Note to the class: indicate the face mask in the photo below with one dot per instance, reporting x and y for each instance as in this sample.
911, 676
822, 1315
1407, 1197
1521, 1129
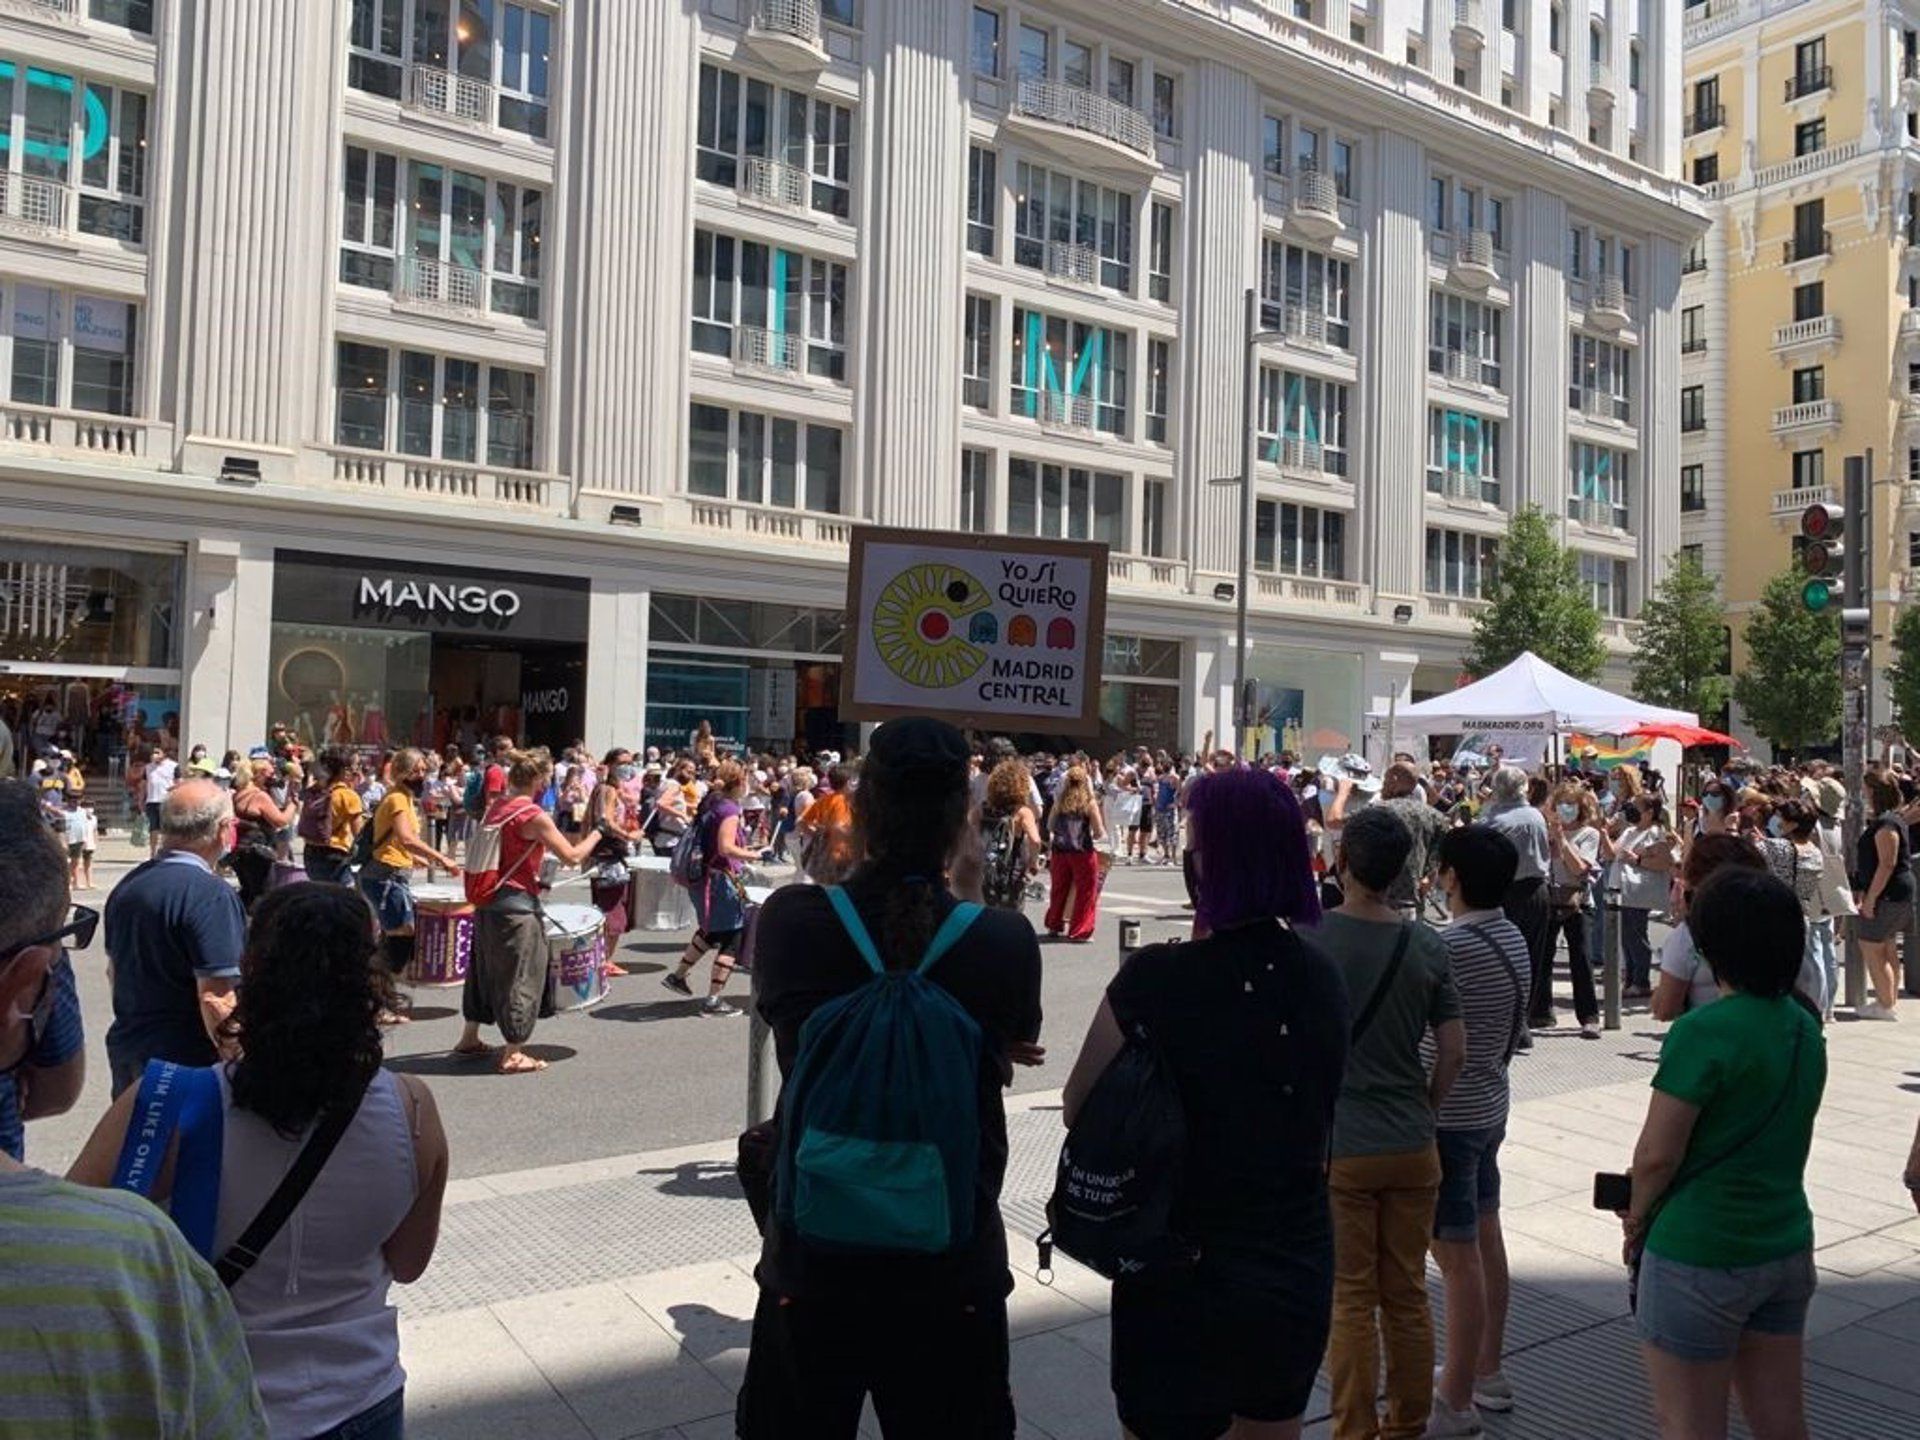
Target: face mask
1715, 804
417, 784
1568, 813
1773, 825
623, 773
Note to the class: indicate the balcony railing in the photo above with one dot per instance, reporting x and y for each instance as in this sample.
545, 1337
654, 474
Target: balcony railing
1473, 250
1314, 193
429, 87
1693, 264
426, 281
1072, 413
1305, 456
1800, 166
44, 9
1703, 118
1608, 409
413, 476
87, 433
1464, 368
1609, 295
794, 19
1469, 29
1147, 572
1309, 590
1305, 323
1600, 76
1694, 345
1799, 497
28, 202
1807, 415
1810, 81
1079, 264
804, 527
1457, 484
1591, 513
778, 351
1815, 330
1088, 111
1453, 607
774, 182
1806, 247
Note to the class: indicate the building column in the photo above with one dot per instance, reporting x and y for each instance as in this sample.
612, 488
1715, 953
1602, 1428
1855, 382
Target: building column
1540, 349
911, 275
1658, 521
1222, 259
226, 631
618, 612
1663, 75
262, 80
621, 343
1393, 379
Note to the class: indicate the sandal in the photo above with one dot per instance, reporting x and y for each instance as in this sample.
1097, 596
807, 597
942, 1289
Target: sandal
611, 969
519, 1064
472, 1052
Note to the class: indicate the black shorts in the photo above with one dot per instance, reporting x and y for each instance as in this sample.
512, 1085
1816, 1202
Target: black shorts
1191, 1353
935, 1371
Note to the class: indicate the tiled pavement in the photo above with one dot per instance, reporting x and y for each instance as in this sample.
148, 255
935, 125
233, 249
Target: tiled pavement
613, 1299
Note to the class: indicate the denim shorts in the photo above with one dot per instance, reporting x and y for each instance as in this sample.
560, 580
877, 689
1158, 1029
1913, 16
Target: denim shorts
1697, 1312
1469, 1181
390, 895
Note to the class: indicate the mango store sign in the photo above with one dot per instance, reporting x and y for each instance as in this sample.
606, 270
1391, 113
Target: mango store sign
995, 632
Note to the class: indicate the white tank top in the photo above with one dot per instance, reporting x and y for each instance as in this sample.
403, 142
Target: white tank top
324, 1341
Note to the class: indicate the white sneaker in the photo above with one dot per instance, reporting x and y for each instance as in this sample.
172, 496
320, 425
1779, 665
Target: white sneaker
1492, 1392
1874, 1010
1446, 1422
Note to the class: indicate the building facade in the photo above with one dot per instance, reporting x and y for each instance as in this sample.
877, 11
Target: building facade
1800, 336
414, 369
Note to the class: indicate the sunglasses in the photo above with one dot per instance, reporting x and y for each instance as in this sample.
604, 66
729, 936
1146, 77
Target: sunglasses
76, 934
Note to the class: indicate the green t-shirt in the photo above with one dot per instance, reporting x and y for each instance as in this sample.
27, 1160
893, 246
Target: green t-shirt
1383, 1107
1732, 1059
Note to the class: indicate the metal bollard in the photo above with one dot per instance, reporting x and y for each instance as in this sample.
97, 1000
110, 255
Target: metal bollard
1855, 979
1910, 945
760, 1066
1610, 960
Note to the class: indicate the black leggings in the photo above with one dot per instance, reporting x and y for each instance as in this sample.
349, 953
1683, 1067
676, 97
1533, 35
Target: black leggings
1573, 925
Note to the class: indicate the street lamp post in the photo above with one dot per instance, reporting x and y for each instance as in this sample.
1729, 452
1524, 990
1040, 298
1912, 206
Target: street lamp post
1249, 457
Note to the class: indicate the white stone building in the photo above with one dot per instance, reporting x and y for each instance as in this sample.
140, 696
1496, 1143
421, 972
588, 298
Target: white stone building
602, 321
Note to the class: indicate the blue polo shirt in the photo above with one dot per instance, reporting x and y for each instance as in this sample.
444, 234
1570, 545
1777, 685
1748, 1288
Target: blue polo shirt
60, 1043
170, 924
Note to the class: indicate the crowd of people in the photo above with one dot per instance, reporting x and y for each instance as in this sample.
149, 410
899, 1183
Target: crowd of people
1370, 954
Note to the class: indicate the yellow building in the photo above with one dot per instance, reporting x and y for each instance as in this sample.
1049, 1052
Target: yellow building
1798, 346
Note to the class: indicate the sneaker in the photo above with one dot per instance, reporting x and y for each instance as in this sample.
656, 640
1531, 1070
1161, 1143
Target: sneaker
1543, 1022
1446, 1421
1874, 1010
1521, 1047
676, 983
714, 1006
1492, 1392
1590, 1030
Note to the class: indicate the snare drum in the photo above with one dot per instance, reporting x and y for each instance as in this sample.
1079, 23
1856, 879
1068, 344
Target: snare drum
443, 935
657, 902
576, 956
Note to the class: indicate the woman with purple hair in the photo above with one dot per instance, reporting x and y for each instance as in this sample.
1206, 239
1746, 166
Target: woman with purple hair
1252, 1020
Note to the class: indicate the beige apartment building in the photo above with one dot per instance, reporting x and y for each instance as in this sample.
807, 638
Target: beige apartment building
1799, 332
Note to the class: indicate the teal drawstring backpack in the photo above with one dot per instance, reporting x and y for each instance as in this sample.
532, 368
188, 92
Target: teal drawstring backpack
880, 1118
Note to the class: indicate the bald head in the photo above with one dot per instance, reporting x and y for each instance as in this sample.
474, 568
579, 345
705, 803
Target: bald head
1400, 779
192, 815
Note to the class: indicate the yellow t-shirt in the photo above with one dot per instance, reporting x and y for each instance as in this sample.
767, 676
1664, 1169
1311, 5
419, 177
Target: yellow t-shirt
343, 808
387, 849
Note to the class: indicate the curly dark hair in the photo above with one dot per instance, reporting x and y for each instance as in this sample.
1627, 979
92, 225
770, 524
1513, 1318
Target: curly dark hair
310, 997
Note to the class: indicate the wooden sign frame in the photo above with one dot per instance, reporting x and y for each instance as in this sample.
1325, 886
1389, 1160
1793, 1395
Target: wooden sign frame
1094, 552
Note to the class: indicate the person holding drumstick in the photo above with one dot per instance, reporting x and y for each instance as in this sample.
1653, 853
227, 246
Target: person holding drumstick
612, 810
506, 982
387, 879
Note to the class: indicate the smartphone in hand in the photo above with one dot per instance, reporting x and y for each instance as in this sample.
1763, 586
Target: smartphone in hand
1612, 1193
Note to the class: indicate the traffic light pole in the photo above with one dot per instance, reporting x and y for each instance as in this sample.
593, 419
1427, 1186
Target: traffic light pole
1856, 671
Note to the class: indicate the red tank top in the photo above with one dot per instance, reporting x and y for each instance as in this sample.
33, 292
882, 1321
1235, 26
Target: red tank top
518, 870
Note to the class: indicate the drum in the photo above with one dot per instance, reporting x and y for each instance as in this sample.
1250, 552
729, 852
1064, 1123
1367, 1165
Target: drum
577, 956
443, 935
286, 873
657, 903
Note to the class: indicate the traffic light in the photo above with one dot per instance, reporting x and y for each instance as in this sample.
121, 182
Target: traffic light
1856, 628
1823, 556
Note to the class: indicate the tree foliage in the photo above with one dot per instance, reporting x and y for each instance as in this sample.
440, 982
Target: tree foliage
1904, 674
1683, 644
1790, 685
1536, 602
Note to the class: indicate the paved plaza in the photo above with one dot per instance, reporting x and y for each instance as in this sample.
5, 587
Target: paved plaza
602, 1289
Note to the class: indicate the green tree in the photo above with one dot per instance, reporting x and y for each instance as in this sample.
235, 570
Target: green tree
1537, 602
1904, 673
1683, 643
1790, 686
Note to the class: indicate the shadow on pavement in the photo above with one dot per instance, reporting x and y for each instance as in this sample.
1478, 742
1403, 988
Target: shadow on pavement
634, 1013
700, 1180
445, 1062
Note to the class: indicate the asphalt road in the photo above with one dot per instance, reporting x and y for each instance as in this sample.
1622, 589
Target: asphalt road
641, 1071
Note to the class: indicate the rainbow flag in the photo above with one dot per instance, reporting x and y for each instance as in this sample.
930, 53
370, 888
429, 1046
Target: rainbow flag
1604, 754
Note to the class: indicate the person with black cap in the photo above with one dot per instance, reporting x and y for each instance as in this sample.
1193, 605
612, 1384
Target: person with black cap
924, 1335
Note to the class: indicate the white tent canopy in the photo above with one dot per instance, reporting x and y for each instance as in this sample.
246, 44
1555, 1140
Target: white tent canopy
1528, 695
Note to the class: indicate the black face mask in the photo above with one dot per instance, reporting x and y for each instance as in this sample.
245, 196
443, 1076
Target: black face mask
417, 784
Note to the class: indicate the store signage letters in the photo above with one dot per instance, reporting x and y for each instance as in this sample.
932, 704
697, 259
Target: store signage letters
435, 599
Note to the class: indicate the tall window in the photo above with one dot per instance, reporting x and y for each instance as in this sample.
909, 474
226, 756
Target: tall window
1600, 379
67, 350
1303, 422
59, 134
1460, 563
444, 407
1153, 517
1166, 114
1065, 502
467, 44
1707, 114
1809, 229
983, 199
1809, 469
976, 491
986, 41
793, 306
1160, 252
1810, 136
1273, 144
1605, 580
1706, 169
1455, 207
135, 15
1693, 330
976, 361
1693, 489
1070, 227
1306, 293
1809, 384
1464, 338
1463, 455
1693, 408
741, 119
1159, 388
1070, 371
1599, 479
762, 459
1810, 300
1810, 69
1290, 539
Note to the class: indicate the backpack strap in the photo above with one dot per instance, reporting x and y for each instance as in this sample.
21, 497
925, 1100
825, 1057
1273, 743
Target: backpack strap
184, 1101
856, 929
959, 920
957, 923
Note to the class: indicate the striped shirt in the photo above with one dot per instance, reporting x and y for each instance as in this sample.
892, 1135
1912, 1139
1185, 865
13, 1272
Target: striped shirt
111, 1325
1488, 958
